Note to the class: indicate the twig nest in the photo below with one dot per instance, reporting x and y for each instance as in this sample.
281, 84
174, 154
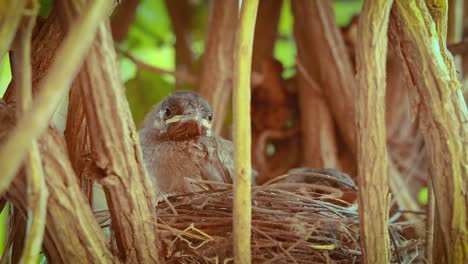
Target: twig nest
292, 222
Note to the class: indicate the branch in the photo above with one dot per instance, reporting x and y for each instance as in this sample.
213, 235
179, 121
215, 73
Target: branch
216, 73
180, 13
36, 188
266, 32
10, 17
117, 157
242, 181
443, 122
123, 18
52, 89
183, 76
332, 67
374, 196
318, 131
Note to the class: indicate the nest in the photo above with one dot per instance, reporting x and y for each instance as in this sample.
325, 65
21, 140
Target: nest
292, 222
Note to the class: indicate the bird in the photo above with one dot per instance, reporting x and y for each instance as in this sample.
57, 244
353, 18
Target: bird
177, 144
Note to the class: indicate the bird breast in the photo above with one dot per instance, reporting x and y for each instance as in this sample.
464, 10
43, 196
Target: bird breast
171, 162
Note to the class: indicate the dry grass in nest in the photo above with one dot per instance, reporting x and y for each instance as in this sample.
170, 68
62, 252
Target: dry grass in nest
291, 223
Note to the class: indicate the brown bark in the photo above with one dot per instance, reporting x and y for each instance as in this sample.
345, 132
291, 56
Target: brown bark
328, 52
319, 147
400, 129
66, 239
77, 137
216, 77
266, 30
443, 120
181, 19
123, 18
17, 233
374, 196
45, 41
115, 149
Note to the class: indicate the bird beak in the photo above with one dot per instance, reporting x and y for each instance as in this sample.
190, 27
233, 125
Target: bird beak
184, 118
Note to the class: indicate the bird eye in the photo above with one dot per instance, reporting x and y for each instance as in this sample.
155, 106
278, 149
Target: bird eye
210, 117
167, 112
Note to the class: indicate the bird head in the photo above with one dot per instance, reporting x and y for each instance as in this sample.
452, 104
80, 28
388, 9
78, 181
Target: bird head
180, 116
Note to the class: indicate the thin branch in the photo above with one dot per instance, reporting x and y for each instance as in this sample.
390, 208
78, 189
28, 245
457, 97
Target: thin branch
242, 182
183, 76
36, 188
10, 17
428, 254
52, 88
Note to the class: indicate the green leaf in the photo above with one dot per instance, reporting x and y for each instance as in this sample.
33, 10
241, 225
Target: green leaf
423, 196
345, 10
5, 75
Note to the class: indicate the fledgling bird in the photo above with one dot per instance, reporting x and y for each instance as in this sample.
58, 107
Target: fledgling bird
176, 142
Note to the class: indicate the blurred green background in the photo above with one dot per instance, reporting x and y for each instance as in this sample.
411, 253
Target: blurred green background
151, 39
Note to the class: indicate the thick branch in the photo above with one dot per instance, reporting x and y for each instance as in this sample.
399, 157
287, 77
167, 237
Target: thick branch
319, 148
327, 49
116, 152
374, 197
123, 18
266, 30
72, 234
444, 123
181, 21
217, 75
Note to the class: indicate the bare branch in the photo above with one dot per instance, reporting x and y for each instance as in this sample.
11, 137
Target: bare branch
242, 182
183, 76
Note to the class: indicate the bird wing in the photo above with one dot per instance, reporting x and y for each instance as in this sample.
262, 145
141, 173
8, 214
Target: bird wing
226, 158
220, 159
